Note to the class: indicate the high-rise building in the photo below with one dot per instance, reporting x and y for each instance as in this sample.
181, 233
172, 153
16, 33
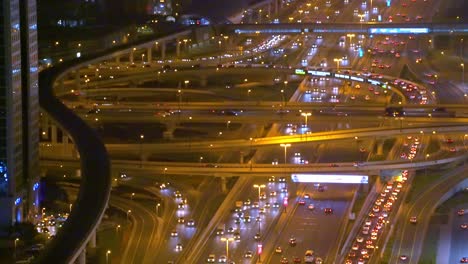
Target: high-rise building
19, 112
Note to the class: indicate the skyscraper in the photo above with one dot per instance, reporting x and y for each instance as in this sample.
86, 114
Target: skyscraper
19, 112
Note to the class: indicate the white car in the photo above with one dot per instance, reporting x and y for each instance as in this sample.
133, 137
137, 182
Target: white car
211, 258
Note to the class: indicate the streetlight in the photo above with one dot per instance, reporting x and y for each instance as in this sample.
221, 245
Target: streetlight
186, 82
200, 159
227, 124
117, 228
305, 115
157, 209
425, 169
179, 94
70, 207
285, 146
350, 36
338, 61
143, 58
16, 242
133, 194
259, 187
107, 256
463, 75
227, 240
282, 98
142, 137
128, 212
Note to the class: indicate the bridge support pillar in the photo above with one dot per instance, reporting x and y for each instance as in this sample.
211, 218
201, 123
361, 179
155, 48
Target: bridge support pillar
117, 59
163, 50
53, 134
131, 58
203, 81
92, 240
82, 257
178, 47
241, 157
78, 173
380, 144
149, 54
224, 184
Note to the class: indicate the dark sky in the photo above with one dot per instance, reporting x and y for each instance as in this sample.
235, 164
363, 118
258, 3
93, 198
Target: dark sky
217, 8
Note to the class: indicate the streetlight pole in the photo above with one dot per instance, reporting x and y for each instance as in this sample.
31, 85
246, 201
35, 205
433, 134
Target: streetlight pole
305, 115
142, 137
186, 82
425, 168
179, 93
107, 256
350, 36
463, 75
128, 212
16, 242
259, 187
338, 61
157, 209
285, 146
227, 240
283, 101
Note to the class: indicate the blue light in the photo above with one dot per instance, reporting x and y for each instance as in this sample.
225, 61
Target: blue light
399, 30
17, 201
36, 186
389, 2
361, 53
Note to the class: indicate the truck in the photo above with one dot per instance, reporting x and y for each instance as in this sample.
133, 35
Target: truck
309, 256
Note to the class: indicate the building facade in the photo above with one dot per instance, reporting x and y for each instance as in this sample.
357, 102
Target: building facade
19, 112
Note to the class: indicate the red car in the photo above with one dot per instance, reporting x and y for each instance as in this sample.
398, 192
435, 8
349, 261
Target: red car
461, 212
297, 260
328, 211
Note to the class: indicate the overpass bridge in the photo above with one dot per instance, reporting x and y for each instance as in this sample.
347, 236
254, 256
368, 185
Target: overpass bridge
366, 28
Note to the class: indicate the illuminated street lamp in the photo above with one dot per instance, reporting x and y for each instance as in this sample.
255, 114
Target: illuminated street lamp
16, 243
142, 137
305, 115
179, 94
285, 146
350, 36
463, 75
157, 209
186, 82
128, 213
227, 240
338, 61
259, 187
107, 256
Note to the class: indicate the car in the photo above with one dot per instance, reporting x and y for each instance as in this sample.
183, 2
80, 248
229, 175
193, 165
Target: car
179, 247
311, 206
361, 261
348, 261
464, 260
352, 254
403, 257
328, 210
180, 220
248, 254
276, 205
296, 260
174, 233
222, 259
211, 258
292, 241
282, 179
461, 212
301, 202
306, 196
359, 239
278, 250
321, 188
464, 226
257, 236
273, 193
284, 260
355, 246
318, 260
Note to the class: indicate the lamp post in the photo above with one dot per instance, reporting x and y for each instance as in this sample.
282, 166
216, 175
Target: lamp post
179, 94
259, 187
157, 209
282, 98
227, 240
463, 75
186, 82
107, 256
142, 137
338, 61
143, 58
16, 242
128, 213
350, 36
285, 146
70, 207
425, 159
131, 197
361, 19
117, 228
305, 115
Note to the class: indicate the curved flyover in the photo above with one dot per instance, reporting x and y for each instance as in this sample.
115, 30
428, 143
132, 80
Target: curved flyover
95, 187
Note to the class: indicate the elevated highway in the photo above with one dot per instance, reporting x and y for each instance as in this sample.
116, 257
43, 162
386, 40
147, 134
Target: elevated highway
346, 28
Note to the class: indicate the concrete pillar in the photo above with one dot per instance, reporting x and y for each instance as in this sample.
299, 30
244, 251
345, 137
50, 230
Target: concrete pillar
78, 173
92, 240
203, 81
82, 257
241, 157
177, 47
224, 184
117, 59
131, 59
380, 144
150, 54
53, 134
163, 50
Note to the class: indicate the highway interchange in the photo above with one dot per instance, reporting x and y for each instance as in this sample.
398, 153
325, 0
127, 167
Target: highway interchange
332, 139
